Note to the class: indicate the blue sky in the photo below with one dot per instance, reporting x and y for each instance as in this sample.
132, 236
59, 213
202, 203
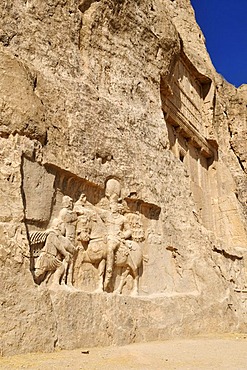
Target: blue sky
224, 25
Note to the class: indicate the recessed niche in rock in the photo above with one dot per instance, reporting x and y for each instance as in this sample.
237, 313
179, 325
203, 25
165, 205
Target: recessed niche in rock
38, 190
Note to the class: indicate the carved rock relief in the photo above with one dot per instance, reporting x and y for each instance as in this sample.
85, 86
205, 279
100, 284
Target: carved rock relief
84, 237
87, 238
73, 228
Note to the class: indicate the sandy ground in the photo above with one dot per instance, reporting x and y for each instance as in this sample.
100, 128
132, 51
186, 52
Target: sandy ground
211, 352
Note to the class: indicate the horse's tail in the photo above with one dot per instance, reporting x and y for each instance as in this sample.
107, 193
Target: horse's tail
145, 258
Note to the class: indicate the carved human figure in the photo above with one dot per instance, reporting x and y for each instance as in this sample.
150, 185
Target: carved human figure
55, 255
113, 190
136, 225
90, 237
68, 217
118, 231
105, 236
84, 221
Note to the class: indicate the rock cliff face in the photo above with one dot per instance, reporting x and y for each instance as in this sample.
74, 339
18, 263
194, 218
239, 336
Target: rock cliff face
115, 107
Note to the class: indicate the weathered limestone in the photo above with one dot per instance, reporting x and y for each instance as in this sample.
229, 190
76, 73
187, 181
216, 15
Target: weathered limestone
21, 109
122, 172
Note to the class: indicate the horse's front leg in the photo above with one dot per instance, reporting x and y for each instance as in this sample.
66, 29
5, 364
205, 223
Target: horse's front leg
135, 289
101, 270
124, 275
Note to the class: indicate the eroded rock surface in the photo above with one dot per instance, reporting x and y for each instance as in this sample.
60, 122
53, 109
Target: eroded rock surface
122, 170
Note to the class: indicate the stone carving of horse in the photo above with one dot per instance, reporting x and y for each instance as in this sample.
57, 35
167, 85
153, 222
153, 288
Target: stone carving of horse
129, 257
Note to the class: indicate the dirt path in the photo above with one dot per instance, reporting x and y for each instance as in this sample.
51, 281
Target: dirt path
211, 352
